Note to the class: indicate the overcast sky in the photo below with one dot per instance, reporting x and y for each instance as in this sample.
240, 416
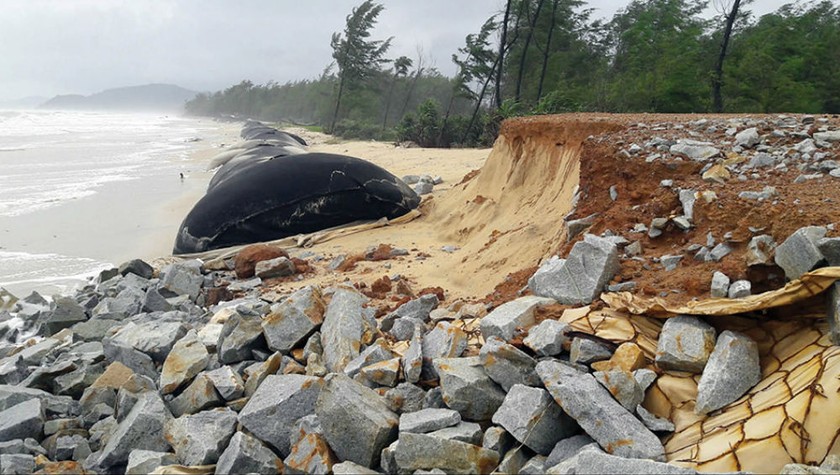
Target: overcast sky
50, 47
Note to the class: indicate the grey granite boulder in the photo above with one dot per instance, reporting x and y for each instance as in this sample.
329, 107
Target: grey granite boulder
385, 373
227, 382
695, 150
406, 397
534, 419
294, 319
597, 462
467, 388
514, 460
799, 253
141, 462
444, 341
830, 249
272, 268
507, 365
246, 454
137, 267
580, 278
622, 385
412, 360
280, 401
567, 448
586, 351
136, 360
356, 421
428, 420
142, 428
424, 452
759, 250
188, 357
503, 321
375, 353
469, 432
155, 338
16, 464
200, 439
201, 394
548, 338
67, 312
22, 420
747, 138
350, 468
497, 439
685, 344
182, 278
733, 368
720, 285
240, 335
343, 327
598, 413
418, 309
740, 289
654, 422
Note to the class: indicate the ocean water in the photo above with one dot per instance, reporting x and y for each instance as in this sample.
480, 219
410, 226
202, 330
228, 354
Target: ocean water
74, 184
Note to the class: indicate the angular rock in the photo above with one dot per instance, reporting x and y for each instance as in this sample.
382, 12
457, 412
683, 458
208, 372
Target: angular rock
310, 455
412, 361
534, 419
514, 460
405, 328
227, 382
720, 285
419, 309
201, 438
685, 344
548, 338
342, 330
141, 462
586, 351
627, 357
22, 420
654, 422
279, 401
623, 386
384, 373
740, 289
17, 464
350, 468
759, 250
188, 358
155, 338
567, 448
747, 138
829, 136
799, 253
66, 314
719, 252
294, 320
428, 420
182, 278
467, 388
468, 432
425, 452
534, 466
240, 335
375, 353
830, 249
137, 267
246, 454
356, 421
670, 262
503, 321
688, 198
602, 417
406, 397
497, 439
580, 278
198, 396
577, 226
733, 368
141, 429
256, 373
693, 149
597, 462
508, 365
444, 341
273, 268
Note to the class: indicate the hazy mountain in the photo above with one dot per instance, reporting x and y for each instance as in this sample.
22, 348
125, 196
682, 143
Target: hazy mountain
150, 97
30, 102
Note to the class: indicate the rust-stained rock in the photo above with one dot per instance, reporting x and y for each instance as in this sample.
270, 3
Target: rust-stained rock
114, 376
188, 357
425, 452
247, 258
294, 320
628, 357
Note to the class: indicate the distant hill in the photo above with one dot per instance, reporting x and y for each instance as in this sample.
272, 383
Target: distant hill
30, 102
151, 97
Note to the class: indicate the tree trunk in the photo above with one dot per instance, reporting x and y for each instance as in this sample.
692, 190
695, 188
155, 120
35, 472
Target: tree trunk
337, 103
500, 60
480, 98
547, 50
410, 92
717, 80
388, 103
525, 47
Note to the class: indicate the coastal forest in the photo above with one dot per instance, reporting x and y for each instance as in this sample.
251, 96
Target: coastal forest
553, 56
